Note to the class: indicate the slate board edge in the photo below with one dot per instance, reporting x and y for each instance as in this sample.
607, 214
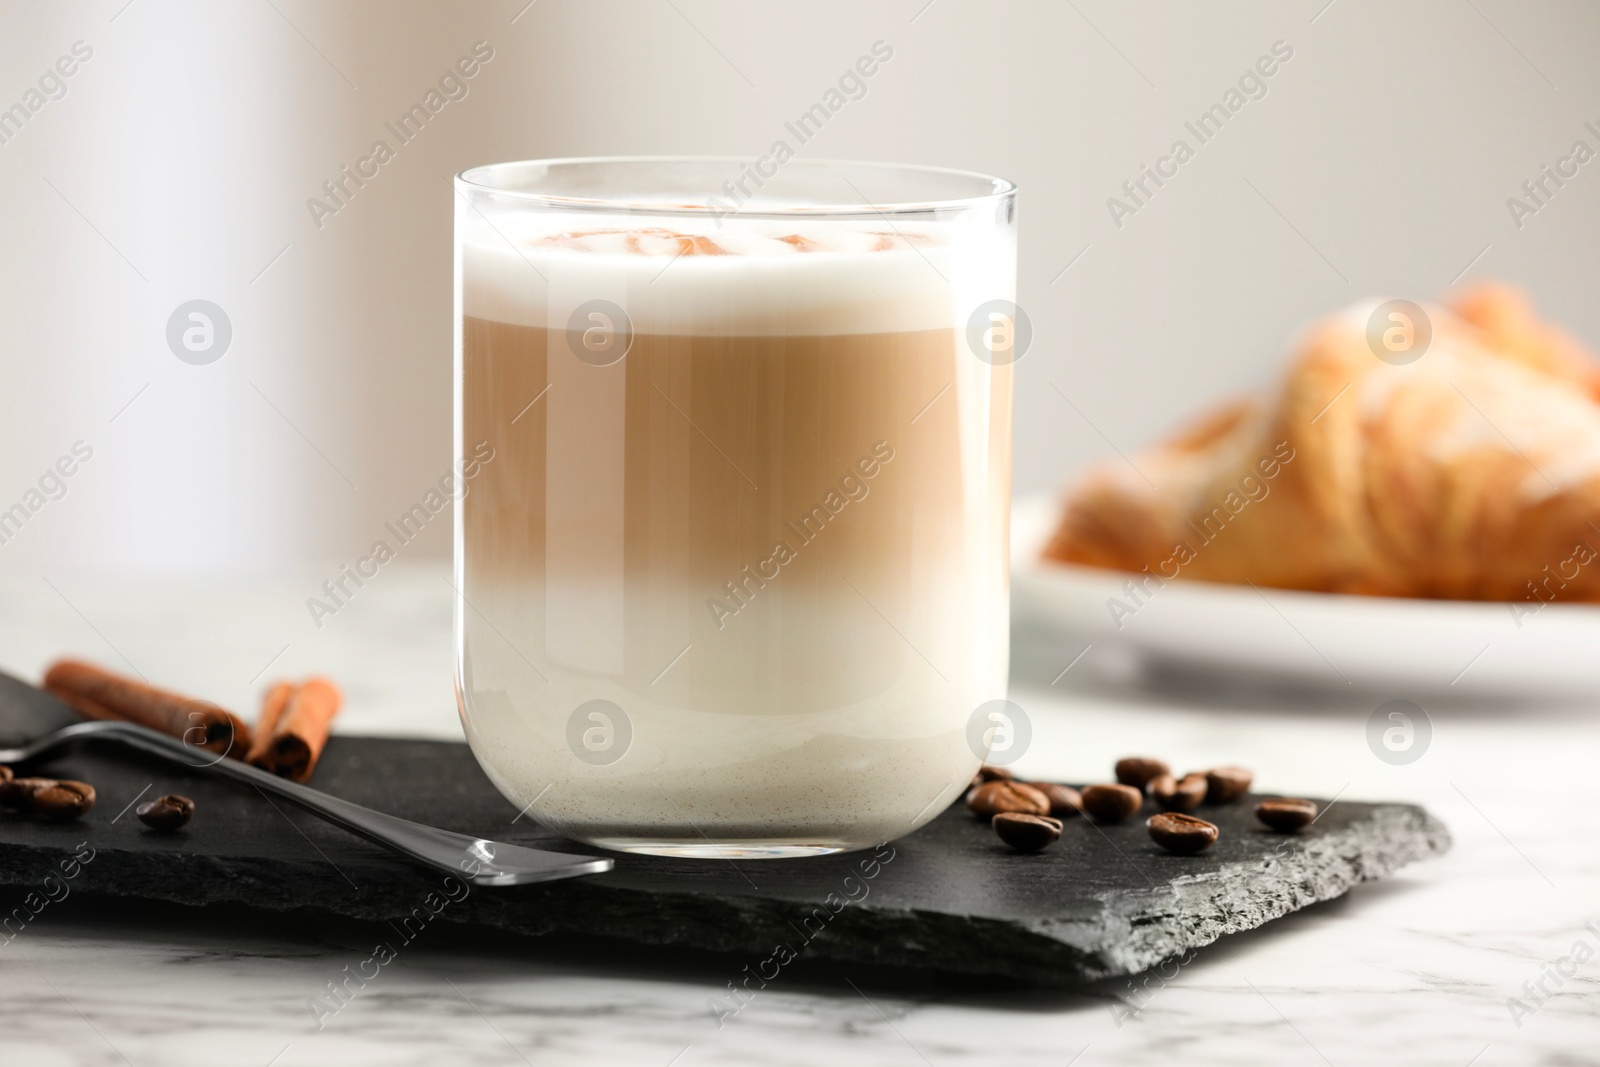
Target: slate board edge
1144, 928
1154, 927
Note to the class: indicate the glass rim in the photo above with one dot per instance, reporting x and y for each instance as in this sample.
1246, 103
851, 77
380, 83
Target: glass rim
474, 179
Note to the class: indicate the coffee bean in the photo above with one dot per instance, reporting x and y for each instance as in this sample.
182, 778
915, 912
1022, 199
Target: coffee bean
1227, 783
18, 793
1027, 833
1178, 794
1181, 834
166, 813
1064, 800
1137, 771
59, 800
992, 798
1287, 814
991, 773
62, 801
1111, 803
5, 773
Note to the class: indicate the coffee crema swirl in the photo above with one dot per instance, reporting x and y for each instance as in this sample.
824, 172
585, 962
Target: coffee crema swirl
659, 241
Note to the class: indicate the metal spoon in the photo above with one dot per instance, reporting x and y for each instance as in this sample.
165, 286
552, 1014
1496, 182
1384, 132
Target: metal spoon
475, 859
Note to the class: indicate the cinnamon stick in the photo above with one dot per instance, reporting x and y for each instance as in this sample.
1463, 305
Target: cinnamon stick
290, 738
273, 706
96, 693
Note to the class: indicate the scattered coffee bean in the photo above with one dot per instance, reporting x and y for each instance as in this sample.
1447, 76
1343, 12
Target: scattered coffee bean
166, 813
62, 801
5, 773
1064, 800
1287, 814
1227, 783
1181, 834
987, 773
1178, 794
992, 798
17, 793
1027, 833
1111, 803
58, 800
1137, 771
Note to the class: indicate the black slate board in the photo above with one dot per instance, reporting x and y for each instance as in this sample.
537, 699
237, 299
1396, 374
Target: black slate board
948, 899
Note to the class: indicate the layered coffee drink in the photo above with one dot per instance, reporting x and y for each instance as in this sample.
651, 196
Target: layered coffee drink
734, 583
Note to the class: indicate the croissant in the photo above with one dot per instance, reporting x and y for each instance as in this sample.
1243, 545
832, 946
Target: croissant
1472, 473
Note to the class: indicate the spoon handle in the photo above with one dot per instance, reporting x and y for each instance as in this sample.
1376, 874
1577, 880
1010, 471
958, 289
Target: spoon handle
474, 859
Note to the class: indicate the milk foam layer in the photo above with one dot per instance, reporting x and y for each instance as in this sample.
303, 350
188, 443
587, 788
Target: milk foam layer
756, 278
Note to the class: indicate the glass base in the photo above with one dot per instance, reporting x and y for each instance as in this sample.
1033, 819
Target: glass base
700, 849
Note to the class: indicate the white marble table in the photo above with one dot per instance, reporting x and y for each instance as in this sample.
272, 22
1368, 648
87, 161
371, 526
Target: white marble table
1418, 969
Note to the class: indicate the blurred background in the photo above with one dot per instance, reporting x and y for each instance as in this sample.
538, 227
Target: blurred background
180, 158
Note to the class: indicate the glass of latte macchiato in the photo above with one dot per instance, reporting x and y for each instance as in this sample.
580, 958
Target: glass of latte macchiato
731, 555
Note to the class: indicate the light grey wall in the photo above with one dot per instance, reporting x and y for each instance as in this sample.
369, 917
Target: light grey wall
179, 162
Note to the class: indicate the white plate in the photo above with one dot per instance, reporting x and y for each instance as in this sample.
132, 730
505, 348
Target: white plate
1312, 638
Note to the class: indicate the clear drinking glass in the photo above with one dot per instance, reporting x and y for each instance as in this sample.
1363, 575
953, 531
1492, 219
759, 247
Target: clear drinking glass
731, 550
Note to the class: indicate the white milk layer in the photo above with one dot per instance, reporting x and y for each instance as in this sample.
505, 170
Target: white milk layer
764, 278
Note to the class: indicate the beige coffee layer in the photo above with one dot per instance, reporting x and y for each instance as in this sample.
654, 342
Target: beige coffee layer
789, 467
